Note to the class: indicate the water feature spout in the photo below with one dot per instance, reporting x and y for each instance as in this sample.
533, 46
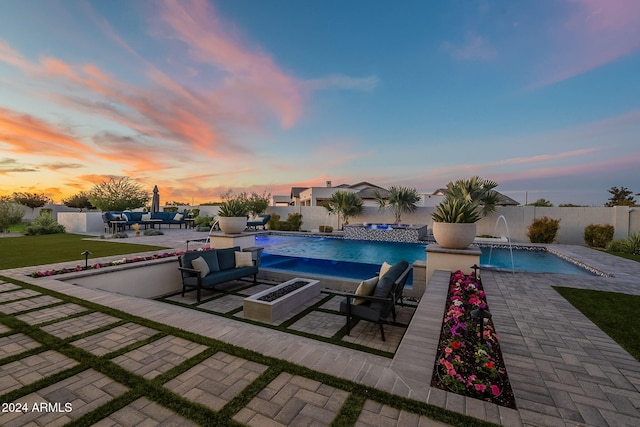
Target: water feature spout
508, 237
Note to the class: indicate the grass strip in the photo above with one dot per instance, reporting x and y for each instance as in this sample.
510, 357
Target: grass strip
153, 390
625, 255
18, 252
615, 313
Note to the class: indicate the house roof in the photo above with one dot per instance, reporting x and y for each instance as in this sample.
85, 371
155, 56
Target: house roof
295, 191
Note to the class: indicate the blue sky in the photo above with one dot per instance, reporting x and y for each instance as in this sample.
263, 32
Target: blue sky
199, 97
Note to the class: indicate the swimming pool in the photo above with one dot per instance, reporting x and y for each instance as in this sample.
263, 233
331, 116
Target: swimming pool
359, 258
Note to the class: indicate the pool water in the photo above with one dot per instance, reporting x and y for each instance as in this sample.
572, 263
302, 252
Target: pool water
362, 258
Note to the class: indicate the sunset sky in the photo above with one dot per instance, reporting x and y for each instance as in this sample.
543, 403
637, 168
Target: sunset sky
199, 97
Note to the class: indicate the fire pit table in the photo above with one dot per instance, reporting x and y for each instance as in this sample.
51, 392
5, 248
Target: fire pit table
271, 304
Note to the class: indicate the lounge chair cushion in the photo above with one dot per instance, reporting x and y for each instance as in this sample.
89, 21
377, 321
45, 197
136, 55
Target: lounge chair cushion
384, 269
366, 287
201, 265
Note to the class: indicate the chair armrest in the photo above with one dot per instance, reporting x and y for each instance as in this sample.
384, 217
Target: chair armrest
189, 270
352, 295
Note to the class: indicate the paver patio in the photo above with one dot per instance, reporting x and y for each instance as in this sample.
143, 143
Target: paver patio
563, 369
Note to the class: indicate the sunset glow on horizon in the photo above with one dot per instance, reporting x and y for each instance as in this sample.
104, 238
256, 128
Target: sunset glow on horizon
199, 97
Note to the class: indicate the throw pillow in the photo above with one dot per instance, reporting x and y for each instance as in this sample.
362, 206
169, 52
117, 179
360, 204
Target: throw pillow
243, 259
146, 217
384, 269
125, 217
201, 265
366, 287
178, 217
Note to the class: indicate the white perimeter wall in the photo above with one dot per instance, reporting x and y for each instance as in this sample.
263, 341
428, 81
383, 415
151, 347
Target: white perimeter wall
572, 220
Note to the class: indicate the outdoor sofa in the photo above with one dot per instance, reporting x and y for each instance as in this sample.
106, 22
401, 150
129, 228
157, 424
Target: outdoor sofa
122, 219
208, 268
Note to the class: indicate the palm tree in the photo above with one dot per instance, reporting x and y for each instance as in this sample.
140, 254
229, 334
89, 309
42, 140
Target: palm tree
400, 199
344, 203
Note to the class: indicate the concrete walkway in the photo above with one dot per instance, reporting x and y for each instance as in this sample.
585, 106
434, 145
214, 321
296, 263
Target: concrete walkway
564, 371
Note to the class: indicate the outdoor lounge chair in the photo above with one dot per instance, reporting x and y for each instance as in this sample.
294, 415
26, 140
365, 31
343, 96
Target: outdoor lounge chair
262, 222
377, 307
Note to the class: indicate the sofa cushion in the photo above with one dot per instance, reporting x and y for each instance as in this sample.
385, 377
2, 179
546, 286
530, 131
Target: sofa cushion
201, 265
227, 258
243, 259
366, 287
211, 257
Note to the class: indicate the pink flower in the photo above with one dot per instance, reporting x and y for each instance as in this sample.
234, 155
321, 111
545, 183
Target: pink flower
480, 387
495, 390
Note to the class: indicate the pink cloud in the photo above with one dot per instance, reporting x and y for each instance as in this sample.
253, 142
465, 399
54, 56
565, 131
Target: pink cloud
595, 33
249, 71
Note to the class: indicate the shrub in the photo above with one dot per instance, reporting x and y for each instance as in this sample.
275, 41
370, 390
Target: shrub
153, 232
10, 214
598, 236
618, 245
204, 221
44, 224
630, 245
119, 235
293, 222
543, 230
634, 243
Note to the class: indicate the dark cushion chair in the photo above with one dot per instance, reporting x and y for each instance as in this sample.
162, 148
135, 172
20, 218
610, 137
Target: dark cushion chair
377, 307
262, 222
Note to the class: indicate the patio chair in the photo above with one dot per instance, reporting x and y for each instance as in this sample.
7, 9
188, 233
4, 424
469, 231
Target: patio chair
262, 222
376, 308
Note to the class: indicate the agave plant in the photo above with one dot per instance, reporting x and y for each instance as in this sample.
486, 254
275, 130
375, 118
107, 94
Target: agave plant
233, 208
455, 211
467, 200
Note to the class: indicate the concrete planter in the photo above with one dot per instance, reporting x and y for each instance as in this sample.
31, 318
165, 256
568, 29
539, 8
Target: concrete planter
454, 235
233, 225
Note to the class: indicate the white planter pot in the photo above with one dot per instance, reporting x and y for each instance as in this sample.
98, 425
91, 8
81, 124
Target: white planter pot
232, 225
454, 235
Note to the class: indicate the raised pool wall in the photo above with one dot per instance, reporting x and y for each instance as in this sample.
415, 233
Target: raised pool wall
404, 233
156, 278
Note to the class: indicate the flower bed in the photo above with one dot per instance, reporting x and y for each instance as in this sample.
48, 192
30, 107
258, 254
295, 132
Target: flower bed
466, 363
108, 264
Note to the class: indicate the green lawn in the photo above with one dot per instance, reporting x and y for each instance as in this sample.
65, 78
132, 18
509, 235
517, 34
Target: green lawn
23, 251
627, 256
616, 314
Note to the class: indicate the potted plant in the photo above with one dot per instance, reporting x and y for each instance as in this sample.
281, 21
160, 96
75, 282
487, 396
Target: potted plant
465, 202
232, 214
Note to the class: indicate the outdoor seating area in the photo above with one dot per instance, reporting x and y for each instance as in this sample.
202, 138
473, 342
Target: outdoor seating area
206, 269
120, 220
